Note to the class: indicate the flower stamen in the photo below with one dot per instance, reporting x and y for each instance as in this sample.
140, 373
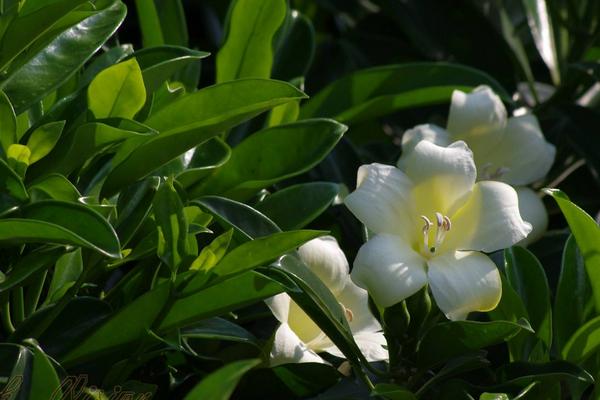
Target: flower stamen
443, 224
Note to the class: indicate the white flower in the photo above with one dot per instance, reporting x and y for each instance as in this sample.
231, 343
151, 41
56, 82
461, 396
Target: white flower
511, 150
298, 338
430, 223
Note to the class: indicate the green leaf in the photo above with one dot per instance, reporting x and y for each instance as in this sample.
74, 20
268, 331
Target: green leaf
8, 122
392, 392
526, 275
88, 140
28, 265
133, 206
450, 339
54, 186
378, 91
248, 48
540, 24
149, 23
201, 302
245, 220
12, 190
45, 70
262, 250
206, 157
572, 294
160, 64
213, 253
44, 381
583, 343
68, 268
521, 373
29, 27
172, 226
317, 301
587, 236
43, 139
219, 329
18, 158
172, 22
308, 200
192, 120
271, 155
61, 222
296, 49
117, 91
132, 322
220, 384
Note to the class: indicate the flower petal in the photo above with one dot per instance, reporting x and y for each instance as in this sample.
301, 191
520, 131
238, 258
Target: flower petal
370, 344
382, 200
523, 151
389, 269
478, 118
488, 221
356, 300
532, 210
464, 281
430, 132
288, 348
279, 306
326, 259
443, 177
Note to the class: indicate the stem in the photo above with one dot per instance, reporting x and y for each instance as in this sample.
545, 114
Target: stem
18, 304
5, 316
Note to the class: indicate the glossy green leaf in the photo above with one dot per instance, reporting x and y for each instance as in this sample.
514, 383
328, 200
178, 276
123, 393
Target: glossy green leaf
43, 139
220, 384
194, 119
526, 275
583, 343
8, 121
53, 186
149, 21
201, 302
219, 329
61, 222
172, 226
213, 253
12, 190
308, 200
129, 324
44, 381
540, 24
572, 294
160, 64
28, 27
451, 339
117, 91
18, 158
296, 49
261, 250
521, 373
87, 141
68, 268
392, 392
248, 48
47, 69
378, 91
132, 322
245, 220
205, 158
271, 155
587, 236
110, 57
317, 301
133, 206
29, 265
